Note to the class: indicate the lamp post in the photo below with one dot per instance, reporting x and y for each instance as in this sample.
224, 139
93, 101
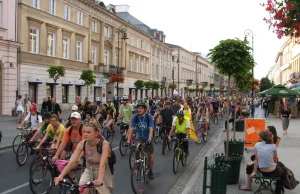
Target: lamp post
248, 33
122, 29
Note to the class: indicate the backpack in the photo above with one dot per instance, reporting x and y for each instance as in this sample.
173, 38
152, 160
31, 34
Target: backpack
80, 130
28, 125
112, 160
289, 180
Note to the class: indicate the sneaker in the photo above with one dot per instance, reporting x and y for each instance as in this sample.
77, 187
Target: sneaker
204, 138
150, 175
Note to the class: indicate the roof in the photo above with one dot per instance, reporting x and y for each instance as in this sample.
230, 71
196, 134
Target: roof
172, 45
136, 22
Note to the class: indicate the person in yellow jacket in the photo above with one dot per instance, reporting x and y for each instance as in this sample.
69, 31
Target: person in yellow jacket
181, 125
188, 113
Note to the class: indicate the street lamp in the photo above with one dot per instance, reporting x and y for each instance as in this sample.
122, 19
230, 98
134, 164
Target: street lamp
250, 33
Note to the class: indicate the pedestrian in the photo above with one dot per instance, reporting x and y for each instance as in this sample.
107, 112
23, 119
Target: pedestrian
55, 109
98, 100
265, 107
19, 108
44, 109
49, 104
26, 105
285, 118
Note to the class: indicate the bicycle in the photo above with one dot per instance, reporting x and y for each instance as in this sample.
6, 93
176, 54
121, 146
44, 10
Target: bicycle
123, 142
165, 141
139, 173
109, 136
215, 118
68, 187
19, 138
200, 131
179, 155
22, 150
156, 132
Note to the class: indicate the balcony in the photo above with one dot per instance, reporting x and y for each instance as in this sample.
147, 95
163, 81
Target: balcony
109, 69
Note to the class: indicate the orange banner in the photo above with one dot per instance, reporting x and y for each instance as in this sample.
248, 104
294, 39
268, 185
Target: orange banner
252, 129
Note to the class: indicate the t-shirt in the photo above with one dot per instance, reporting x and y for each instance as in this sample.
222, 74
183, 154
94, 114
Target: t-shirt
167, 116
286, 113
265, 104
142, 125
74, 138
265, 153
59, 130
126, 110
215, 106
35, 120
44, 127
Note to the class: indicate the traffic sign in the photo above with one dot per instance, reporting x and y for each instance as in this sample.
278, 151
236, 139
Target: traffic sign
104, 81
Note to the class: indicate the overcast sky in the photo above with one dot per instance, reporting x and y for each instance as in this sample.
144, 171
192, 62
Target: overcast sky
198, 25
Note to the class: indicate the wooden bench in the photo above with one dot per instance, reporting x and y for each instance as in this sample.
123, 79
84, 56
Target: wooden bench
265, 183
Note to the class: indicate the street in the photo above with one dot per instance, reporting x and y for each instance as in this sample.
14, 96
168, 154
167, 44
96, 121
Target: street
14, 179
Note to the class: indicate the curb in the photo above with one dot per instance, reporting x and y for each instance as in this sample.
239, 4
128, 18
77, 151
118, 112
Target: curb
5, 147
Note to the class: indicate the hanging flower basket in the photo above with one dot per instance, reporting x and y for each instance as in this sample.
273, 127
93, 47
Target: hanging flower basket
172, 86
117, 78
198, 90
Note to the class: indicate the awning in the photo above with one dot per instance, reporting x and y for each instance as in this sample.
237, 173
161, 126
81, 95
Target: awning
51, 82
34, 79
66, 82
98, 83
79, 83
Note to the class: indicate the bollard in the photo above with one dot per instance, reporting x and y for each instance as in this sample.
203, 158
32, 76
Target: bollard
205, 176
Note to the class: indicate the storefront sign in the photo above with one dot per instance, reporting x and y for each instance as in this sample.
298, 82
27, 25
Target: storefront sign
252, 129
104, 81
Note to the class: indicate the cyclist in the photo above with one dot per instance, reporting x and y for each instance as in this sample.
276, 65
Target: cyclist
89, 118
181, 125
73, 135
215, 107
125, 114
34, 118
97, 151
111, 106
43, 129
67, 123
166, 117
203, 114
54, 128
143, 123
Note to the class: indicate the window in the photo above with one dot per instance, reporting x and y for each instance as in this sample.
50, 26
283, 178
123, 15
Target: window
67, 12
80, 18
35, 4
94, 55
65, 94
51, 45
94, 26
117, 36
79, 50
34, 40
66, 48
142, 65
117, 59
137, 43
106, 31
106, 57
52, 7
137, 65
130, 62
131, 39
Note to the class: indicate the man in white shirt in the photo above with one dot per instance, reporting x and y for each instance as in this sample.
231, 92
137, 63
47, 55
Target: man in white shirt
98, 100
35, 119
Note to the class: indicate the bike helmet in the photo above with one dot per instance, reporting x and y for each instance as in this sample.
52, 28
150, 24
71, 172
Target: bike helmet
124, 98
180, 113
141, 104
202, 103
47, 115
33, 108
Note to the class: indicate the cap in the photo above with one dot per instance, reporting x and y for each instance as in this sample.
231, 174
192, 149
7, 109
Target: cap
76, 115
74, 107
168, 102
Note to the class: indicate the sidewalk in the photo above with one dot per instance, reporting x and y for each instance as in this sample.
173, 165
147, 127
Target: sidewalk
288, 152
8, 127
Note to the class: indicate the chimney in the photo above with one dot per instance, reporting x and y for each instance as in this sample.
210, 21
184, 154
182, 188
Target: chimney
122, 8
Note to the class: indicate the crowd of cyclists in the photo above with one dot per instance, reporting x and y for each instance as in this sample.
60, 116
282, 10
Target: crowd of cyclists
88, 132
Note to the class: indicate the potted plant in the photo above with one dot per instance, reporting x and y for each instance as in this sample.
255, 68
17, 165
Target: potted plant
117, 78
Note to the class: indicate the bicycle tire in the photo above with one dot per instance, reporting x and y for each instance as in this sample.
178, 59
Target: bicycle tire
22, 147
122, 148
156, 135
14, 146
131, 157
164, 145
33, 182
138, 171
183, 159
176, 161
34, 163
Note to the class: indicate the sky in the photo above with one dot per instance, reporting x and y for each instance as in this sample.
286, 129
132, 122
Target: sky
199, 25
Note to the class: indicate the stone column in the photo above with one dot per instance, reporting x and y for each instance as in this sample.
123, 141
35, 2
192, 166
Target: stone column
123, 54
59, 44
43, 39
101, 43
73, 47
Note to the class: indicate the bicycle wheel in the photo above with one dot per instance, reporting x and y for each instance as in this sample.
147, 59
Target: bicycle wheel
170, 144
164, 143
138, 179
132, 157
156, 135
41, 179
183, 159
22, 154
34, 163
122, 146
16, 142
176, 161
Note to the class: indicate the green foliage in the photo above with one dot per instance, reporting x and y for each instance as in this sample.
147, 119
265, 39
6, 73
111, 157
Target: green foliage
191, 90
162, 87
155, 85
139, 84
148, 84
88, 77
243, 81
265, 84
172, 86
56, 72
232, 56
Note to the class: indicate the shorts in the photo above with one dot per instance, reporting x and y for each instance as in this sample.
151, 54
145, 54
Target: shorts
149, 149
88, 175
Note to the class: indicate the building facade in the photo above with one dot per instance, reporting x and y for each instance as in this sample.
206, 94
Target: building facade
8, 56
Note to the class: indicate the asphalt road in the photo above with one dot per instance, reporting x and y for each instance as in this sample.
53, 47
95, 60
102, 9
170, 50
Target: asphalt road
14, 179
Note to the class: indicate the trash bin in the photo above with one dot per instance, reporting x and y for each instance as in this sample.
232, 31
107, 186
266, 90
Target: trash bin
240, 125
235, 165
218, 178
235, 147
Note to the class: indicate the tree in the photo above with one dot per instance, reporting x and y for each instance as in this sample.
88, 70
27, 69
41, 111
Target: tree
265, 84
155, 86
139, 84
231, 57
89, 79
148, 84
56, 72
243, 81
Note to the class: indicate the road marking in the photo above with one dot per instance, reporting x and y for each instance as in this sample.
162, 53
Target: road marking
15, 188
112, 149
